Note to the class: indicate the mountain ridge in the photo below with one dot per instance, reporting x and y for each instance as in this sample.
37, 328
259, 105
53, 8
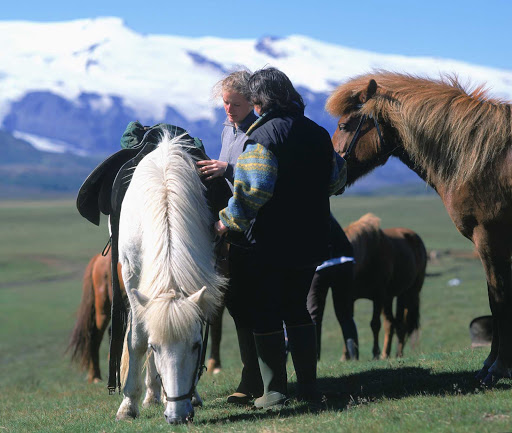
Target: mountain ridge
79, 83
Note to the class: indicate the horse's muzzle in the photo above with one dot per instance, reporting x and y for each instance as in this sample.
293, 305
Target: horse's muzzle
173, 420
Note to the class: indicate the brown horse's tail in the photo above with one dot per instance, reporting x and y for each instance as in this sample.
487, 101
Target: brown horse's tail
83, 333
412, 320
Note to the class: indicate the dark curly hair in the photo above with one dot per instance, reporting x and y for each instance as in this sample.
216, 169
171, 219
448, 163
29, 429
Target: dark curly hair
271, 88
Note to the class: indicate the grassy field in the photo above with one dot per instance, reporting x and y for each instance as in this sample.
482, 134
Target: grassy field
45, 247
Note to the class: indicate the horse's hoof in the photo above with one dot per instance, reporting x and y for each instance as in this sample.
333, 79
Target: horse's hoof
489, 380
217, 370
482, 374
127, 411
97, 380
129, 415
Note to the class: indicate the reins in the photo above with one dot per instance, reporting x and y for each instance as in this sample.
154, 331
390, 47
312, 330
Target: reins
198, 372
362, 121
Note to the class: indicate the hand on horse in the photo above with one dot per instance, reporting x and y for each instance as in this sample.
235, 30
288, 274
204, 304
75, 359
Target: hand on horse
220, 229
212, 168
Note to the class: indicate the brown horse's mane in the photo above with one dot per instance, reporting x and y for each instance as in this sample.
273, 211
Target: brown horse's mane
455, 135
362, 233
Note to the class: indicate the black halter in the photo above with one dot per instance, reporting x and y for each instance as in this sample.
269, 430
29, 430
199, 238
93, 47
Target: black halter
362, 121
198, 372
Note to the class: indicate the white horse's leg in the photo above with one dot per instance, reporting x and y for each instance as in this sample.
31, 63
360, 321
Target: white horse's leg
153, 384
137, 345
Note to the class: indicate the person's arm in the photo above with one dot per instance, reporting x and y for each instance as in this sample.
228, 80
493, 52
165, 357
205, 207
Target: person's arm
255, 178
338, 175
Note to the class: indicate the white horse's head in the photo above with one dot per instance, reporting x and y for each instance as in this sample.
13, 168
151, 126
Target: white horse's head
174, 326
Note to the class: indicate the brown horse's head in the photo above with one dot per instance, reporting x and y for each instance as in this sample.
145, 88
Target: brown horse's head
354, 103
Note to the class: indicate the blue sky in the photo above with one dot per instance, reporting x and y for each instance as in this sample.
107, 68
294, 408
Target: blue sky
478, 32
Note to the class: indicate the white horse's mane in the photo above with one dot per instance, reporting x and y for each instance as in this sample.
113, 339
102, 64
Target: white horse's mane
177, 248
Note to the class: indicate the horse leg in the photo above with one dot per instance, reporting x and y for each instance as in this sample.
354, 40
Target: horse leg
400, 321
101, 320
495, 257
214, 365
153, 384
316, 302
343, 301
389, 328
375, 325
136, 345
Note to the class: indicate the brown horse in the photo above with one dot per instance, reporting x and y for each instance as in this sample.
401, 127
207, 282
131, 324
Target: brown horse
93, 315
458, 142
93, 318
389, 264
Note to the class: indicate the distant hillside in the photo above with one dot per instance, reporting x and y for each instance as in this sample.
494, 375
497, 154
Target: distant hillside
96, 75
26, 172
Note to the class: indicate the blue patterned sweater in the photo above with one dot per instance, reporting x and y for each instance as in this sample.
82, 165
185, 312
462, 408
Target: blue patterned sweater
255, 178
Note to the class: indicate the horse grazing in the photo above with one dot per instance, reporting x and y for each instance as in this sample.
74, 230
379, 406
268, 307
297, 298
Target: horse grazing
389, 264
166, 254
94, 312
458, 142
93, 315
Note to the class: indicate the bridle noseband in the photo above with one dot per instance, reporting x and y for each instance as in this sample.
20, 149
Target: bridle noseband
198, 372
362, 121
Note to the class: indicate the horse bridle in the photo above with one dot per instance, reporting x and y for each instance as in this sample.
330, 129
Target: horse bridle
199, 370
362, 121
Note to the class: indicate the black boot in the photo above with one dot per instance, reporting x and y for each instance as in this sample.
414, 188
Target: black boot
302, 341
251, 385
272, 360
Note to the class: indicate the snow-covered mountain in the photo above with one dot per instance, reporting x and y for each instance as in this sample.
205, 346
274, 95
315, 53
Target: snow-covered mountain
77, 84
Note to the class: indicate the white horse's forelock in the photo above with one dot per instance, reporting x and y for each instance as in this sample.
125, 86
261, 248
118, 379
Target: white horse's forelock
177, 248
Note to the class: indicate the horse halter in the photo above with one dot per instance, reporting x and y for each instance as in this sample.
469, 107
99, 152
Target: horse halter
362, 121
198, 372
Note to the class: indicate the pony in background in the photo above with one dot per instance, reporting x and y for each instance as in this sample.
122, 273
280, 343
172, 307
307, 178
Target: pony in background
389, 264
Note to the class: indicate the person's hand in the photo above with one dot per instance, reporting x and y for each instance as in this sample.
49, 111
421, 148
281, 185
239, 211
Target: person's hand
212, 168
220, 229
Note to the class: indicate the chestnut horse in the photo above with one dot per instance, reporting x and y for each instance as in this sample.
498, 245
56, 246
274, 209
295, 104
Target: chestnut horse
389, 264
93, 317
460, 143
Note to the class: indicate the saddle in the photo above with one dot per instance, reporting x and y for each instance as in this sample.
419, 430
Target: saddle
103, 192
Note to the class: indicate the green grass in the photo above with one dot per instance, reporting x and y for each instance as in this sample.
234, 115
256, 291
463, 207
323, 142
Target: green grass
45, 247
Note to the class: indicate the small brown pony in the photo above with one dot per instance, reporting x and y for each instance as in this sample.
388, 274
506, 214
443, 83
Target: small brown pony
93, 318
390, 264
458, 142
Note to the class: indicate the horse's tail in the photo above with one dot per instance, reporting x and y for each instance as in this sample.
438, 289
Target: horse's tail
412, 322
176, 225
81, 338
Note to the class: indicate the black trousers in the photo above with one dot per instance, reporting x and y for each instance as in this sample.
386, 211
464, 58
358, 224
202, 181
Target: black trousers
340, 279
241, 286
281, 296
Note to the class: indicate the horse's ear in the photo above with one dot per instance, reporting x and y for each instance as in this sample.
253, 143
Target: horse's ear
198, 297
139, 298
370, 90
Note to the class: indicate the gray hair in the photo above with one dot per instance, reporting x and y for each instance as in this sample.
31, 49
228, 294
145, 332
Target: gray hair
236, 81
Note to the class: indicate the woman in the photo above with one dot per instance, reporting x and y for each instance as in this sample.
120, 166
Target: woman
282, 184
240, 116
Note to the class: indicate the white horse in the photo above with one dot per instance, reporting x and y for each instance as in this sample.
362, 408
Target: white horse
166, 253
